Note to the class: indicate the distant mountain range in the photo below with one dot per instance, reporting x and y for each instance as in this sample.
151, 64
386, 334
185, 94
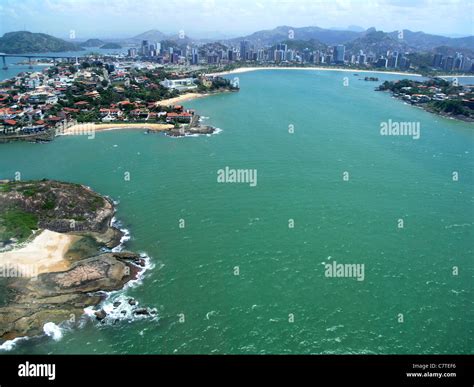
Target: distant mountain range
270, 37
364, 40
368, 40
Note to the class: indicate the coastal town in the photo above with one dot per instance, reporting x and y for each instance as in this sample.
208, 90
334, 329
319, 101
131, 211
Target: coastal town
147, 82
37, 106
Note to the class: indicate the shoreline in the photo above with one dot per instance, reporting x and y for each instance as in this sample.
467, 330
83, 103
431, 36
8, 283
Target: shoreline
180, 99
93, 127
250, 69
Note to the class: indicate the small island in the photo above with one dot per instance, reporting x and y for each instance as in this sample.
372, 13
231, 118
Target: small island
436, 96
114, 46
56, 256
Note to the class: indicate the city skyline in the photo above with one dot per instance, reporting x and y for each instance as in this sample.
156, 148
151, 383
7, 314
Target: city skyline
220, 19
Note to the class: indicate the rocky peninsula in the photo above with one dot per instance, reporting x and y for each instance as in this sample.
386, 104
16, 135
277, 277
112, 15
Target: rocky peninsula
56, 258
436, 95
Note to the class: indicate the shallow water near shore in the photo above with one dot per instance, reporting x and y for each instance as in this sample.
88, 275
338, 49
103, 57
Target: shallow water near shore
203, 306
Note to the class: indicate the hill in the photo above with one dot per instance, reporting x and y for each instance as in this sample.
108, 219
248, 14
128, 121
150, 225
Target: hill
427, 42
93, 43
21, 42
377, 42
151, 36
326, 36
111, 46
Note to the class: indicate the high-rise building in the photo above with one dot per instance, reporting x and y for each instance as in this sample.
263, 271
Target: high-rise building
404, 63
194, 56
279, 56
438, 58
449, 63
144, 48
339, 53
213, 59
381, 62
458, 61
244, 49
282, 47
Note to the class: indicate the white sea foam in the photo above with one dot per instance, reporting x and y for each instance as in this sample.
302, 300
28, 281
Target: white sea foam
125, 237
125, 311
335, 327
216, 131
10, 344
53, 331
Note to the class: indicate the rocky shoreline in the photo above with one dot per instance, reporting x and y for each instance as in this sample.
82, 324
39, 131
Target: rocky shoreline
61, 296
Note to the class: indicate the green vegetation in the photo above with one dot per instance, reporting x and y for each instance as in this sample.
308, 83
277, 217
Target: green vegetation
29, 190
21, 42
18, 224
96, 203
112, 46
451, 107
7, 187
93, 43
49, 204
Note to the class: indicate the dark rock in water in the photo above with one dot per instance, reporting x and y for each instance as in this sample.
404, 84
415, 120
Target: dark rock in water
132, 302
141, 312
202, 130
124, 312
100, 314
117, 304
181, 132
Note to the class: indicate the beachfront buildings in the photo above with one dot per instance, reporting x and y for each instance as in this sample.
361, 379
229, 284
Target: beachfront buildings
184, 84
291, 52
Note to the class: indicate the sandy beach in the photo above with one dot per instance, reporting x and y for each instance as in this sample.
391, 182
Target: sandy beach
88, 128
248, 69
180, 99
44, 254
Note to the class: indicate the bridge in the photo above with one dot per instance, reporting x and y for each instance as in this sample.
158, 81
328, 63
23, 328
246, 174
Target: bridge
33, 56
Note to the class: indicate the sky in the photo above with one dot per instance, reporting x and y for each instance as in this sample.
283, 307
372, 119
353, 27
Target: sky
230, 18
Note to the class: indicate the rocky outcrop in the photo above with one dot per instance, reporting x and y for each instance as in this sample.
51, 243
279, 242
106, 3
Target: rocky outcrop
61, 296
179, 132
60, 207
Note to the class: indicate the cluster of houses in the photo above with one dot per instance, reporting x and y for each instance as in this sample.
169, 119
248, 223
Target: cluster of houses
141, 112
434, 93
29, 102
38, 102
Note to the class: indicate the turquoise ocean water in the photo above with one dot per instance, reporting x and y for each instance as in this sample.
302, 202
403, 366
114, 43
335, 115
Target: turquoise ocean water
281, 301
